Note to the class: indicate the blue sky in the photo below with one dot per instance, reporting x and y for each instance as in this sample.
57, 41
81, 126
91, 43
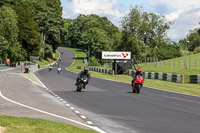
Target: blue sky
185, 14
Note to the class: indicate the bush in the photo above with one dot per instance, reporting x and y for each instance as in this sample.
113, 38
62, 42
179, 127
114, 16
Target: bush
197, 50
94, 62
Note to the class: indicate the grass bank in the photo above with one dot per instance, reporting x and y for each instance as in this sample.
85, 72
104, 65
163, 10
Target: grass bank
29, 125
80, 55
44, 63
186, 88
177, 65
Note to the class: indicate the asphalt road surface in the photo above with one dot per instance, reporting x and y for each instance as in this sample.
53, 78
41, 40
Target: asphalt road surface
114, 108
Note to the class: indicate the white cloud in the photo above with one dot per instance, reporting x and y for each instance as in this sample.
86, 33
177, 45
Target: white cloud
184, 13
109, 8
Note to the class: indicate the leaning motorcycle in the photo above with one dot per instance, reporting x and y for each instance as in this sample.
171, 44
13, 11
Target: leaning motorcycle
82, 83
138, 83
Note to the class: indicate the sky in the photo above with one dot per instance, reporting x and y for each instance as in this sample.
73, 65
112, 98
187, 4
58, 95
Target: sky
185, 14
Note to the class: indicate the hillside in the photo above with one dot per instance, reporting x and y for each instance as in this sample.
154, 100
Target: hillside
175, 65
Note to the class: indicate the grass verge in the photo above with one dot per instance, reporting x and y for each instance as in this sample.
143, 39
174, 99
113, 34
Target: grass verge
44, 63
31, 77
176, 65
193, 89
29, 125
79, 59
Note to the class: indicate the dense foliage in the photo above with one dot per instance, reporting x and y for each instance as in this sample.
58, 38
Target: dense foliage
36, 28
142, 30
92, 32
30, 28
192, 41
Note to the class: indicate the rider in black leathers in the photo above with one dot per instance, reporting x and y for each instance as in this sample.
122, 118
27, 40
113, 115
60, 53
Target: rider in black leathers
85, 72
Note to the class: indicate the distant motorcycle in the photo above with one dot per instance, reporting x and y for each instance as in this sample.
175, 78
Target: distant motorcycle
138, 83
82, 83
50, 68
59, 70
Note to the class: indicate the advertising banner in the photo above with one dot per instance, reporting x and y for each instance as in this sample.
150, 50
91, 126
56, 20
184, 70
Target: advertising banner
116, 55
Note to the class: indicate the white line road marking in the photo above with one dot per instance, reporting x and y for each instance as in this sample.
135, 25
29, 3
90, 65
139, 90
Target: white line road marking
51, 114
89, 122
77, 112
39, 81
82, 116
64, 101
72, 108
68, 105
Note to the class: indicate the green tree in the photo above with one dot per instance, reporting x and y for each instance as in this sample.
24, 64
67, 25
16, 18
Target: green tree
96, 40
140, 29
82, 25
192, 40
9, 31
29, 35
50, 21
3, 48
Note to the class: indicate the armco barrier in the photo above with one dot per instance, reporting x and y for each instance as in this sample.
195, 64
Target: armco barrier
195, 79
178, 78
96, 69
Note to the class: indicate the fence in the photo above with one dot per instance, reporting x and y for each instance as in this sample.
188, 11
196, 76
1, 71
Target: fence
97, 69
178, 78
195, 79
173, 63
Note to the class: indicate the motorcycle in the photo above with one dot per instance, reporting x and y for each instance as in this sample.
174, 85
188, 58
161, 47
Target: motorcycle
50, 68
59, 70
82, 83
138, 83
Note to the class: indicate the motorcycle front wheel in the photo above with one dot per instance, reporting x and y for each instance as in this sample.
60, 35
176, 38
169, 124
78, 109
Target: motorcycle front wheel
138, 87
79, 87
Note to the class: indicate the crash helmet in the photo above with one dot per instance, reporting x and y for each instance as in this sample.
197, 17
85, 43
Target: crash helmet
86, 69
139, 71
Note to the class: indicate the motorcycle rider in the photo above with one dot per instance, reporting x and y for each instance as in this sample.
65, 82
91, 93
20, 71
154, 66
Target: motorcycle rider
50, 67
85, 72
138, 72
59, 69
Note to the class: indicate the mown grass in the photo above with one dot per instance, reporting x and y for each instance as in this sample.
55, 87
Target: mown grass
186, 88
44, 63
176, 65
31, 77
79, 59
29, 125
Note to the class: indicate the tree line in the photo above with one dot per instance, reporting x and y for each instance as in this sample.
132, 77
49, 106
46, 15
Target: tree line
36, 28
30, 28
142, 33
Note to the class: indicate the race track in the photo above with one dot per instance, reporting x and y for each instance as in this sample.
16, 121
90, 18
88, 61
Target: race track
114, 108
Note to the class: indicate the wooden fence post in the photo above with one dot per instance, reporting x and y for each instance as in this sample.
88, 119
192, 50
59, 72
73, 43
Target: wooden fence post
174, 63
189, 64
195, 64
